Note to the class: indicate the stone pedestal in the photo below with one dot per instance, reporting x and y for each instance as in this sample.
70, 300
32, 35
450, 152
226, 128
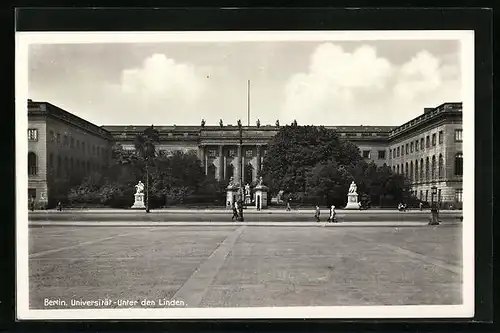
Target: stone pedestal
139, 201
352, 201
261, 197
248, 199
231, 195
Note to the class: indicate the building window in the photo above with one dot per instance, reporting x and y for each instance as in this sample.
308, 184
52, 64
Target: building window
440, 137
398, 152
439, 196
78, 144
411, 170
32, 164
421, 195
393, 168
406, 149
427, 142
402, 150
52, 137
366, 154
72, 143
83, 147
397, 168
212, 153
427, 168
406, 169
422, 144
65, 142
433, 167
71, 166
32, 193
231, 152
426, 195
66, 167
381, 154
249, 153
58, 138
390, 153
394, 153
59, 166
434, 139
411, 147
416, 170
421, 169
32, 134
440, 166
93, 150
459, 164
98, 151
459, 195
458, 135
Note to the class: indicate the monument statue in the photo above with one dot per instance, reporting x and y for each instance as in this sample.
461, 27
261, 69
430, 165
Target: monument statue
221, 123
353, 188
258, 123
294, 122
247, 190
139, 196
277, 123
203, 123
352, 197
260, 182
231, 182
239, 123
139, 188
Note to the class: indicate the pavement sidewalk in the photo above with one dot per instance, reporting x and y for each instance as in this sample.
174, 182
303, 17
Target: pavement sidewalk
229, 224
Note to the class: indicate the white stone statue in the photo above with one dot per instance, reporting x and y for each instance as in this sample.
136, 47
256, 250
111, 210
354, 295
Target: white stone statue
260, 181
231, 181
353, 188
247, 190
139, 188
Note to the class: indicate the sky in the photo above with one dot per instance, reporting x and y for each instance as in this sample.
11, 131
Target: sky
322, 83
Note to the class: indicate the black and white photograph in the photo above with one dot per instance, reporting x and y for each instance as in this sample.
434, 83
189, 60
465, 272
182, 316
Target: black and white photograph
290, 174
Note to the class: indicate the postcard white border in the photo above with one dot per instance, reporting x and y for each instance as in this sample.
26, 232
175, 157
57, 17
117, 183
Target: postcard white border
23, 312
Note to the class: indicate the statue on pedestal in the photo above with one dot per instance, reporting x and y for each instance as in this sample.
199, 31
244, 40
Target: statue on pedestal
239, 123
139, 196
202, 123
247, 190
139, 188
221, 123
277, 123
352, 197
258, 123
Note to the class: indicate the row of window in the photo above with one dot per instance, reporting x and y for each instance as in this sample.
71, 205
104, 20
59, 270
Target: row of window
64, 166
79, 145
214, 152
422, 144
367, 154
458, 195
417, 173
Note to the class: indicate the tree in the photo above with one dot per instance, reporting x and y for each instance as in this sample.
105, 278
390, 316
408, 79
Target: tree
145, 147
296, 149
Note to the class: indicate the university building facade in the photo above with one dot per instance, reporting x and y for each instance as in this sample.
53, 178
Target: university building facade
68, 146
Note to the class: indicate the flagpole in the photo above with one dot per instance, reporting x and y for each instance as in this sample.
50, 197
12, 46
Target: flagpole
248, 103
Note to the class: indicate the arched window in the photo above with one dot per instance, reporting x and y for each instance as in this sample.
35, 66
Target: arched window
248, 174
459, 164
427, 168
66, 166
32, 164
440, 166
59, 166
422, 170
406, 170
416, 170
433, 167
229, 171
411, 171
211, 171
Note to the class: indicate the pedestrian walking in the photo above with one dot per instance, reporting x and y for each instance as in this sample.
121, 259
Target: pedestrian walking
421, 205
235, 211
317, 213
59, 206
331, 218
32, 204
288, 206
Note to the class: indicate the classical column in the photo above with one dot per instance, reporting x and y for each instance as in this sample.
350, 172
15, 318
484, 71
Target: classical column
258, 161
206, 164
201, 151
238, 166
222, 165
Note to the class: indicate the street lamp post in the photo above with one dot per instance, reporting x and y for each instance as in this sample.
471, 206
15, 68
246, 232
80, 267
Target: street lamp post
434, 209
241, 173
147, 185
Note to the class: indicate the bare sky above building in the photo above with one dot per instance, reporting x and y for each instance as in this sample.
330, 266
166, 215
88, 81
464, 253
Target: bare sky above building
330, 83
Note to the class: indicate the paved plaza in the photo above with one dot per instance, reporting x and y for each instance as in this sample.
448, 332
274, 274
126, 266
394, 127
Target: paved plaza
238, 265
